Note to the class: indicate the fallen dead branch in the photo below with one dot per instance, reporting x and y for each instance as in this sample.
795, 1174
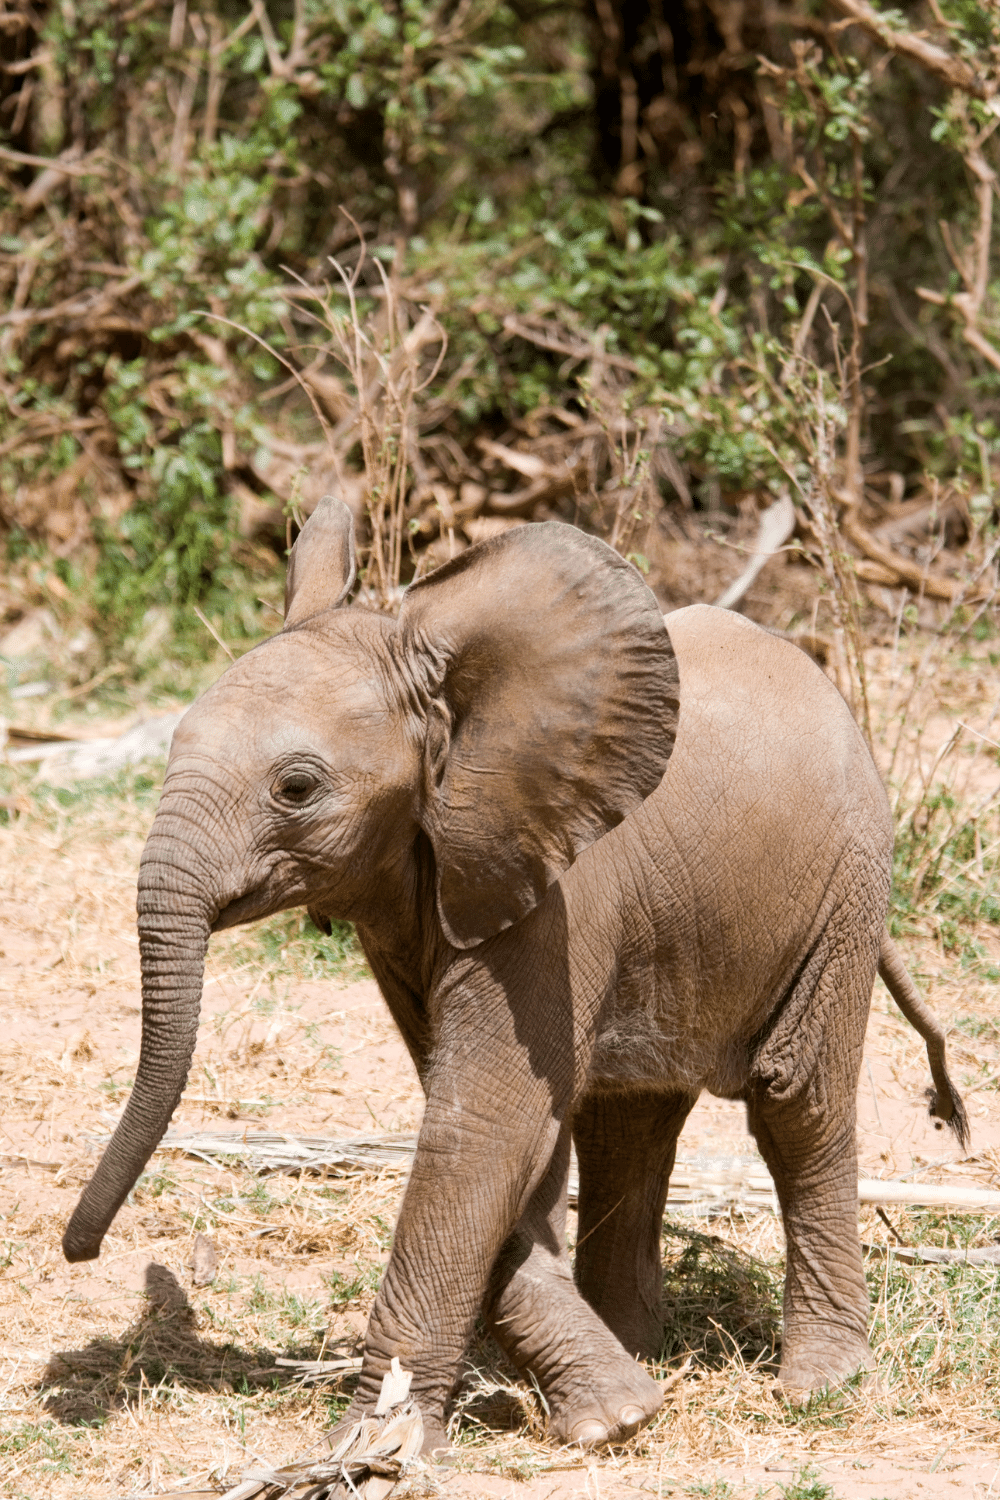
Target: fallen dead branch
64, 759
548, 481
904, 569
775, 527
737, 1181
268, 1151
312, 1371
928, 1195
930, 1255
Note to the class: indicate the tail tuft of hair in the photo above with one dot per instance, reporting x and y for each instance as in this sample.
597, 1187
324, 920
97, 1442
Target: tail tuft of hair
951, 1111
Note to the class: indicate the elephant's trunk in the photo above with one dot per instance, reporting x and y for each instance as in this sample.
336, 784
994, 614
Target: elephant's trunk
174, 921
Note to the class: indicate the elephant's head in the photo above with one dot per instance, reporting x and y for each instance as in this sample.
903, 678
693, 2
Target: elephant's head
522, 705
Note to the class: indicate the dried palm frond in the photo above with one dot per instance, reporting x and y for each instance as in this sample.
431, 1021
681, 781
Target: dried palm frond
367, 1461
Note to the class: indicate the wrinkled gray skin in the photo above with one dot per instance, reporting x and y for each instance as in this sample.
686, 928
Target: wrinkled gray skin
575, 931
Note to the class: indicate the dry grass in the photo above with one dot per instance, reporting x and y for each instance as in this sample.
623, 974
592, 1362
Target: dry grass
124, 1378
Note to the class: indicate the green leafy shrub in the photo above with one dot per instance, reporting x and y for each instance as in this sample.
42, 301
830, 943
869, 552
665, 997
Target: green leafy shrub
763, 262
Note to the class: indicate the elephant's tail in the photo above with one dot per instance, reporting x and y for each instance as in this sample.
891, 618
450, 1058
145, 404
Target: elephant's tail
946, 1101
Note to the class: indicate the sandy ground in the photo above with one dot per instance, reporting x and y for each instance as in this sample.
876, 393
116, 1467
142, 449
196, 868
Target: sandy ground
333, 1063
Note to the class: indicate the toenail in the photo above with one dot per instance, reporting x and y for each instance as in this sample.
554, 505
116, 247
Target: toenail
630, 1415
588, 1432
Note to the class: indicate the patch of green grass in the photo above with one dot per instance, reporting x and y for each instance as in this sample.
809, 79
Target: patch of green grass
940, 1229
47, 1446
346, 1291
300, 1312
134, 790
290, 945
137, 784
946, 873
831, 1410
258, 1197
261, 1299
520, 1466
980, 1028
256, 1201
115, 1088
155, 1184
336, 1402
934, 1327
718, 1302
807, 1486
289, 1308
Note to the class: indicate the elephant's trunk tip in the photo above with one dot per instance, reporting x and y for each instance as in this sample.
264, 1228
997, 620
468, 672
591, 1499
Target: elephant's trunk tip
78, 1242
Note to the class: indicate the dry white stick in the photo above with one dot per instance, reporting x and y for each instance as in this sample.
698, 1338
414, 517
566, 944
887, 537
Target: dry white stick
928, 1195
775, 527
930, 1256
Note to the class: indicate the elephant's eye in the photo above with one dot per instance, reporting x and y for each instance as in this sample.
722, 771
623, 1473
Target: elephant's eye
293, 787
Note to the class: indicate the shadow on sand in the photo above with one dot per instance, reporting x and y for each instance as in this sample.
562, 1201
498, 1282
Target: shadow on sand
162, 1346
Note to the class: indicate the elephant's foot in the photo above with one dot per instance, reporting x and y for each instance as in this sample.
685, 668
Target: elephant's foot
595, 1392
820, 1361
603, 1404
636, 1325
430, 1390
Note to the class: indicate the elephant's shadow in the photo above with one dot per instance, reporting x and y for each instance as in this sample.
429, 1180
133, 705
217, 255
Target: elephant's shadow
162, 1345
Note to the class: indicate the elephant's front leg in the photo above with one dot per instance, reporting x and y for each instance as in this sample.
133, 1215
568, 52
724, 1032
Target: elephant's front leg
486, 1140
594, 1390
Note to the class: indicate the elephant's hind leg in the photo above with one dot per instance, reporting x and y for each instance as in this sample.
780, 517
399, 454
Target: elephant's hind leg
625, 1146
802, 1108
594, 1390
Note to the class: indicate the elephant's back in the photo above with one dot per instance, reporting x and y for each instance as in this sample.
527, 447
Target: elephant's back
762, 724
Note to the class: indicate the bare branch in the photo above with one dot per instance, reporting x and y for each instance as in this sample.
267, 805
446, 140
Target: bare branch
63, 166
559, 343
968, 304
909, 572
950, 69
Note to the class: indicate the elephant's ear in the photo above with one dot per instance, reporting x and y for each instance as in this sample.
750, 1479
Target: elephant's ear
322, 565
551, 693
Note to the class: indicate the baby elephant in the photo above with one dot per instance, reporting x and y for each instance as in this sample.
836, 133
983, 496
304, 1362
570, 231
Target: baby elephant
597, 864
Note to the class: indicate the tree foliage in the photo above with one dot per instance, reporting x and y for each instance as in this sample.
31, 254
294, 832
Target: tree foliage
709, 231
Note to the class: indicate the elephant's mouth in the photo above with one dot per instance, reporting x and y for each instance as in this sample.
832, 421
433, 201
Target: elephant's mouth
248, 908
272, 895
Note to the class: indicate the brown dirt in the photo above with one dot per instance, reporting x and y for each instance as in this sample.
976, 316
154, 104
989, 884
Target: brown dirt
178, 1383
